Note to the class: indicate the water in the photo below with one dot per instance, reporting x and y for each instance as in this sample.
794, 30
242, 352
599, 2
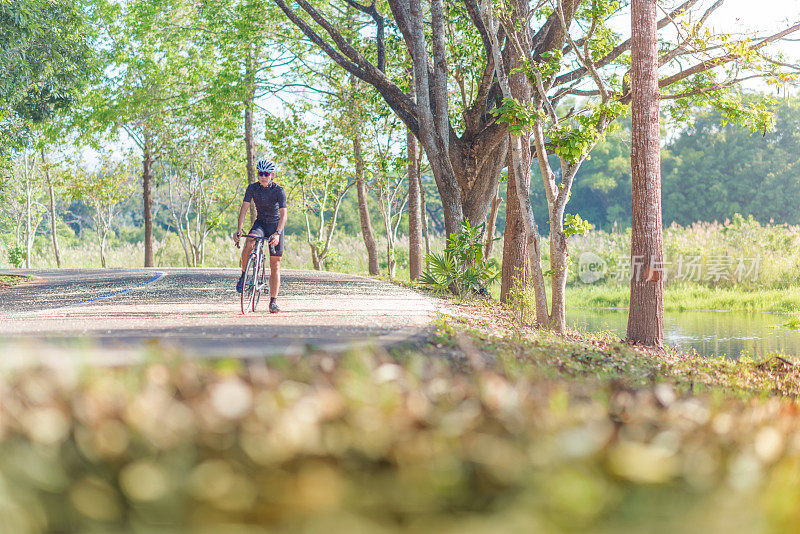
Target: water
711, 333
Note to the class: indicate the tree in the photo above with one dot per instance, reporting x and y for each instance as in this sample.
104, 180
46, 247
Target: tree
415, 207
24, 204
392, 191
103, 190
392, 175
646, 315
201, 170
157, 73
355, 125
315, 159
45, 60
51, 183
457, 162
244, 39
467, 166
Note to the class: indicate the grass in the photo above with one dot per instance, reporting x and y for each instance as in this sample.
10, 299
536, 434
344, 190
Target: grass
348, 254
493, 427
683, 298
496, 330
12, 280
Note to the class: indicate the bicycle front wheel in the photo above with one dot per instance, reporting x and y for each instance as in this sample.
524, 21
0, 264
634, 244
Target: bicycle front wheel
249, 288
261, 286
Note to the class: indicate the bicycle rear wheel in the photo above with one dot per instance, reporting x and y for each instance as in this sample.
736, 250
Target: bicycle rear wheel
249, 288
260, 287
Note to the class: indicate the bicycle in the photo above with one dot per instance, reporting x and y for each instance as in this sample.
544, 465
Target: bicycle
255, 279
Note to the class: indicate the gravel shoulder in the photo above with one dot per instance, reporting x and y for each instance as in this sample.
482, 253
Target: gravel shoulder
120, 313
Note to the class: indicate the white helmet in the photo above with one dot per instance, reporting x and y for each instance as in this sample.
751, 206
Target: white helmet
265, 165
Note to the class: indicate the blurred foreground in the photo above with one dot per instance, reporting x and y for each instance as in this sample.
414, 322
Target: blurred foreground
448, 438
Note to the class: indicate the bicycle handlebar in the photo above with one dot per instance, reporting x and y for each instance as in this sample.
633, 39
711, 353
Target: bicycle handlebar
255, 236
251, 236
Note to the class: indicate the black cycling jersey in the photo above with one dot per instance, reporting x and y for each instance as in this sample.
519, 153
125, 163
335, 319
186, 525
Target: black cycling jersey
268, 200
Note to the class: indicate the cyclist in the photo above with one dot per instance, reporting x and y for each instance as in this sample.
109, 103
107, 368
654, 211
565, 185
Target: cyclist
270, 202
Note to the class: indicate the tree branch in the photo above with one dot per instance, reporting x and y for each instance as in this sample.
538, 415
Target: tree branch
722, 60
620, 48
352, 61
475, 15
679, 50
380, 23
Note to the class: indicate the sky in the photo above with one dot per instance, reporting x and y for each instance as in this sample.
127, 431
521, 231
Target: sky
759, 15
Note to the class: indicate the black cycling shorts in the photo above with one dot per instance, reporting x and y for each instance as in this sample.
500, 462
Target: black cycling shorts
263, 229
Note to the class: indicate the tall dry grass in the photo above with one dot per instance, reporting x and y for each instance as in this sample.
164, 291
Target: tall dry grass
700, 255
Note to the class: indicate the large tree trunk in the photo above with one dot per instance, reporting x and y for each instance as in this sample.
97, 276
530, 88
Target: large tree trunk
52, 208
414, 210
434, 125
147, 198
646, 314
516, 249
249, 138
478, 162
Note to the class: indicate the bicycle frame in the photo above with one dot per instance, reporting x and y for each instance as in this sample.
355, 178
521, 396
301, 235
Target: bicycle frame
254, 281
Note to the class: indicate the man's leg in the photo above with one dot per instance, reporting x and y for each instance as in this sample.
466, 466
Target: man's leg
274, 276
246, 250
274, 283
248, 247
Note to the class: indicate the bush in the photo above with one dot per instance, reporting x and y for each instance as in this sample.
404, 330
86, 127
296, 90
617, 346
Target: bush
461, 268
16, 255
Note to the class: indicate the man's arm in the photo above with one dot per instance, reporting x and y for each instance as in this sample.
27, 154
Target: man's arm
242, 214
284, 213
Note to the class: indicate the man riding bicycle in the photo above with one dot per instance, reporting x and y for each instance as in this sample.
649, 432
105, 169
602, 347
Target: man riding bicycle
270, 202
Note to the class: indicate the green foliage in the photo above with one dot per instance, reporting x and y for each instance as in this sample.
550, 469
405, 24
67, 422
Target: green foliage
103, 189
519, 117
711, 172
603, 38
461, 268
551, 63
573, 140
757, 115
47, 56
16, 255
574, 225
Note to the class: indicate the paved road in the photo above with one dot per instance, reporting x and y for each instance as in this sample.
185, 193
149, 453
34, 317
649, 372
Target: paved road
197, 310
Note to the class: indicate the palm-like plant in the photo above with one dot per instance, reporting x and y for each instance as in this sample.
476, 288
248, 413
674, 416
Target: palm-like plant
461, 268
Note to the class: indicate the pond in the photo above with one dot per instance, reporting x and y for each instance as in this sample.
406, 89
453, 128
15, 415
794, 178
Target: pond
710, 333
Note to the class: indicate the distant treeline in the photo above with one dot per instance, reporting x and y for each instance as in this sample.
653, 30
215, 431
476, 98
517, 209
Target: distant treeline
709, 172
